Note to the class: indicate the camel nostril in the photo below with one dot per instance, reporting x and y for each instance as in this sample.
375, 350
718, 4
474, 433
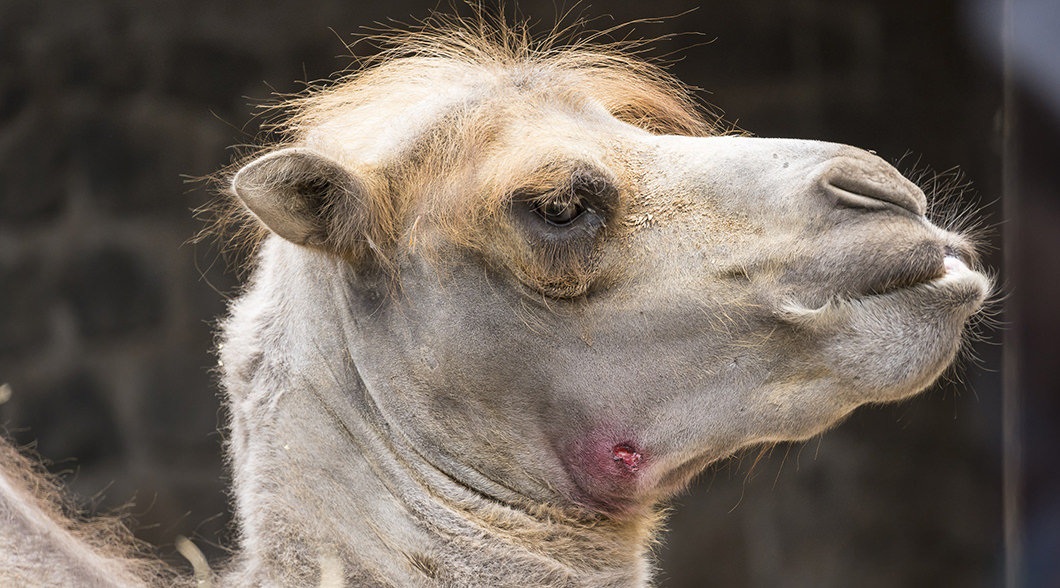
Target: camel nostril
871, 184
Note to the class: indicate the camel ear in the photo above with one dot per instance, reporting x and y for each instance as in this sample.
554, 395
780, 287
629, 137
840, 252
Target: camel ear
307, 199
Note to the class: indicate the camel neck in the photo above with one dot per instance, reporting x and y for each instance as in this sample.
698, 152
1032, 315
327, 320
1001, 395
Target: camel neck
326, 486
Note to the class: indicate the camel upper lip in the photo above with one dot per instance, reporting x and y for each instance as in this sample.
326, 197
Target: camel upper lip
925, 263
950, 271
919, 271
966, 287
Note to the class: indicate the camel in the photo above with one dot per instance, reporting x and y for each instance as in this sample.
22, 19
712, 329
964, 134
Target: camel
508, 297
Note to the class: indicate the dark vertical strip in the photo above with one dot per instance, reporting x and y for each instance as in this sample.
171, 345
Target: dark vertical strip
1011, 417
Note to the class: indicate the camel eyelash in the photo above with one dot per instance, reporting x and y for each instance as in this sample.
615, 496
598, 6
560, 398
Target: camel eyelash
559, 202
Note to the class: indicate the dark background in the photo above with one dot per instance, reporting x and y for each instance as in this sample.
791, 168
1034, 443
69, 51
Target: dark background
106, 309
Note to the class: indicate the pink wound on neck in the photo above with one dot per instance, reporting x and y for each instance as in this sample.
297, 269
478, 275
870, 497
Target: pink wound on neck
625, 453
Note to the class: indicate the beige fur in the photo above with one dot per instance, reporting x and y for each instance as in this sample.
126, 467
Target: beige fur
508, 297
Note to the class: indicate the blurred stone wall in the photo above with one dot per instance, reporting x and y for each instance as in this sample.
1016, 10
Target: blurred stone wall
106, 311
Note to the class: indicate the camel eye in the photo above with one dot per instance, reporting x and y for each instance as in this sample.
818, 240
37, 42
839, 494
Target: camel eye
561, 213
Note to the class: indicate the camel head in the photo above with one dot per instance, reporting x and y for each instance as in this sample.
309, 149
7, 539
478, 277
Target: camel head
562, 288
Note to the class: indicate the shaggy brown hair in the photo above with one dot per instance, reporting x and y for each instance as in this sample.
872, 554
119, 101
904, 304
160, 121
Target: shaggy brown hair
489, 65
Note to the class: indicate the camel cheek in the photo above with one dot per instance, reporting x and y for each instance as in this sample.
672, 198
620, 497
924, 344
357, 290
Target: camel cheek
608, 471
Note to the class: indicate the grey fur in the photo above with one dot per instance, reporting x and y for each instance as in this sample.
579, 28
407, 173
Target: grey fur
485, 400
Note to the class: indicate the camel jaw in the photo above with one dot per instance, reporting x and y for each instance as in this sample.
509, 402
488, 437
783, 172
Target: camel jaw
924, 326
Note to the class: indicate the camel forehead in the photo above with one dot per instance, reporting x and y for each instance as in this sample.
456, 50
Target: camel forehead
383, 128
399, 98
489, 107
544, 146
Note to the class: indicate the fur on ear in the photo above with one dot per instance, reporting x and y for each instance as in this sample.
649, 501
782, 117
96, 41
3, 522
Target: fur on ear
311, 200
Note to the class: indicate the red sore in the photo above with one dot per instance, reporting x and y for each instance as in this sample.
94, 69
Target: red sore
625, 453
